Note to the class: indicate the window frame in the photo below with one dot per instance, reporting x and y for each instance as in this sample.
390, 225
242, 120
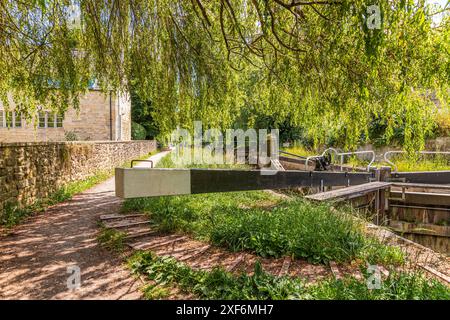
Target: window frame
50, 124
39, 117
56, 120
14, 120
59, 120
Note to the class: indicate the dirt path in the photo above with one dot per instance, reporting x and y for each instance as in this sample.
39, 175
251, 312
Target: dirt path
35, 258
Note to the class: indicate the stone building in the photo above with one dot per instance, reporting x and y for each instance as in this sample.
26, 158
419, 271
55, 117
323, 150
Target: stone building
100, 117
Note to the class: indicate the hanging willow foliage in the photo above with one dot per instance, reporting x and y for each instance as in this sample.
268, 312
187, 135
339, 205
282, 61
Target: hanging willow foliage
314, 63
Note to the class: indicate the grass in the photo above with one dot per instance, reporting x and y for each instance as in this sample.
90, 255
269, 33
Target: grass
267, 225
166, 272
300, 150
436, 163
13, 214
111, 239
242, 221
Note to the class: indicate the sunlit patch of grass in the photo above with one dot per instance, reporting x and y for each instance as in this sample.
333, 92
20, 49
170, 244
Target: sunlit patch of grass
300, 150
111, 239
156, 292
437, 164
239, 221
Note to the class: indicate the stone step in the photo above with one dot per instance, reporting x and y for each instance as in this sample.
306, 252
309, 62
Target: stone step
236, 263
285, 267
120, 216
139, 234
145, 244
125, 224
196, 253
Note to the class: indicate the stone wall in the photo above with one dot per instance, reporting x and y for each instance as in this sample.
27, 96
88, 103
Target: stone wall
31, 171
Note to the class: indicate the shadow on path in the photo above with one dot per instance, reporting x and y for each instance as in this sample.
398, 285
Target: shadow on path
35, 257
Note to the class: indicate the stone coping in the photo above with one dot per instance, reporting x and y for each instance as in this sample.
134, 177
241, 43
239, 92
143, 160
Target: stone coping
49, 143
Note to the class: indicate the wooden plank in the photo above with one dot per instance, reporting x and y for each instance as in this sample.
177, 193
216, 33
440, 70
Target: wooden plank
236, 263
285, 267
145, 182
421, 185
406, 206
120, 216
428, 177
196, 253
420, 228
335, 270
350, 192
126, 224
143, 245
421, 198
435, 273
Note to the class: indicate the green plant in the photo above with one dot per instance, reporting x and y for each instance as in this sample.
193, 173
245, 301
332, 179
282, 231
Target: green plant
155, 292
71, 136
267, 225
218, 284
111, 239
138, 132
443, 122
12, 214
398, 286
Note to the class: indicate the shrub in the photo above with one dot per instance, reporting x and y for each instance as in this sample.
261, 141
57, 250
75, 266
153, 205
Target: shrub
111, 239
138, 132
443, 123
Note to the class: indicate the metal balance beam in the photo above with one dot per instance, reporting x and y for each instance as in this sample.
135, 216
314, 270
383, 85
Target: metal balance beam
145, 182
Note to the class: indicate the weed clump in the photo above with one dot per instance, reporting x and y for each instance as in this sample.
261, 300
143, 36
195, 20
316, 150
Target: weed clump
166, 272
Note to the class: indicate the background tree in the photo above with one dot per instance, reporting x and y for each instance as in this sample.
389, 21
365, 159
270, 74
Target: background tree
312, 64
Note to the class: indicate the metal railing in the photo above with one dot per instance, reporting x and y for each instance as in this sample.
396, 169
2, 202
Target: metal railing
134, 161
341, 156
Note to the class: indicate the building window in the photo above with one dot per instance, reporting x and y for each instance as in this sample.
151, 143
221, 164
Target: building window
59, 120
17, 120
42, 120
10, 119
50, 120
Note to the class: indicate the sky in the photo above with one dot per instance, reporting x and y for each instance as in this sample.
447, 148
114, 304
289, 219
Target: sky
442, 3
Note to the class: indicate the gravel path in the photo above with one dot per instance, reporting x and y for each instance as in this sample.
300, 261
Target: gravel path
35, 257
